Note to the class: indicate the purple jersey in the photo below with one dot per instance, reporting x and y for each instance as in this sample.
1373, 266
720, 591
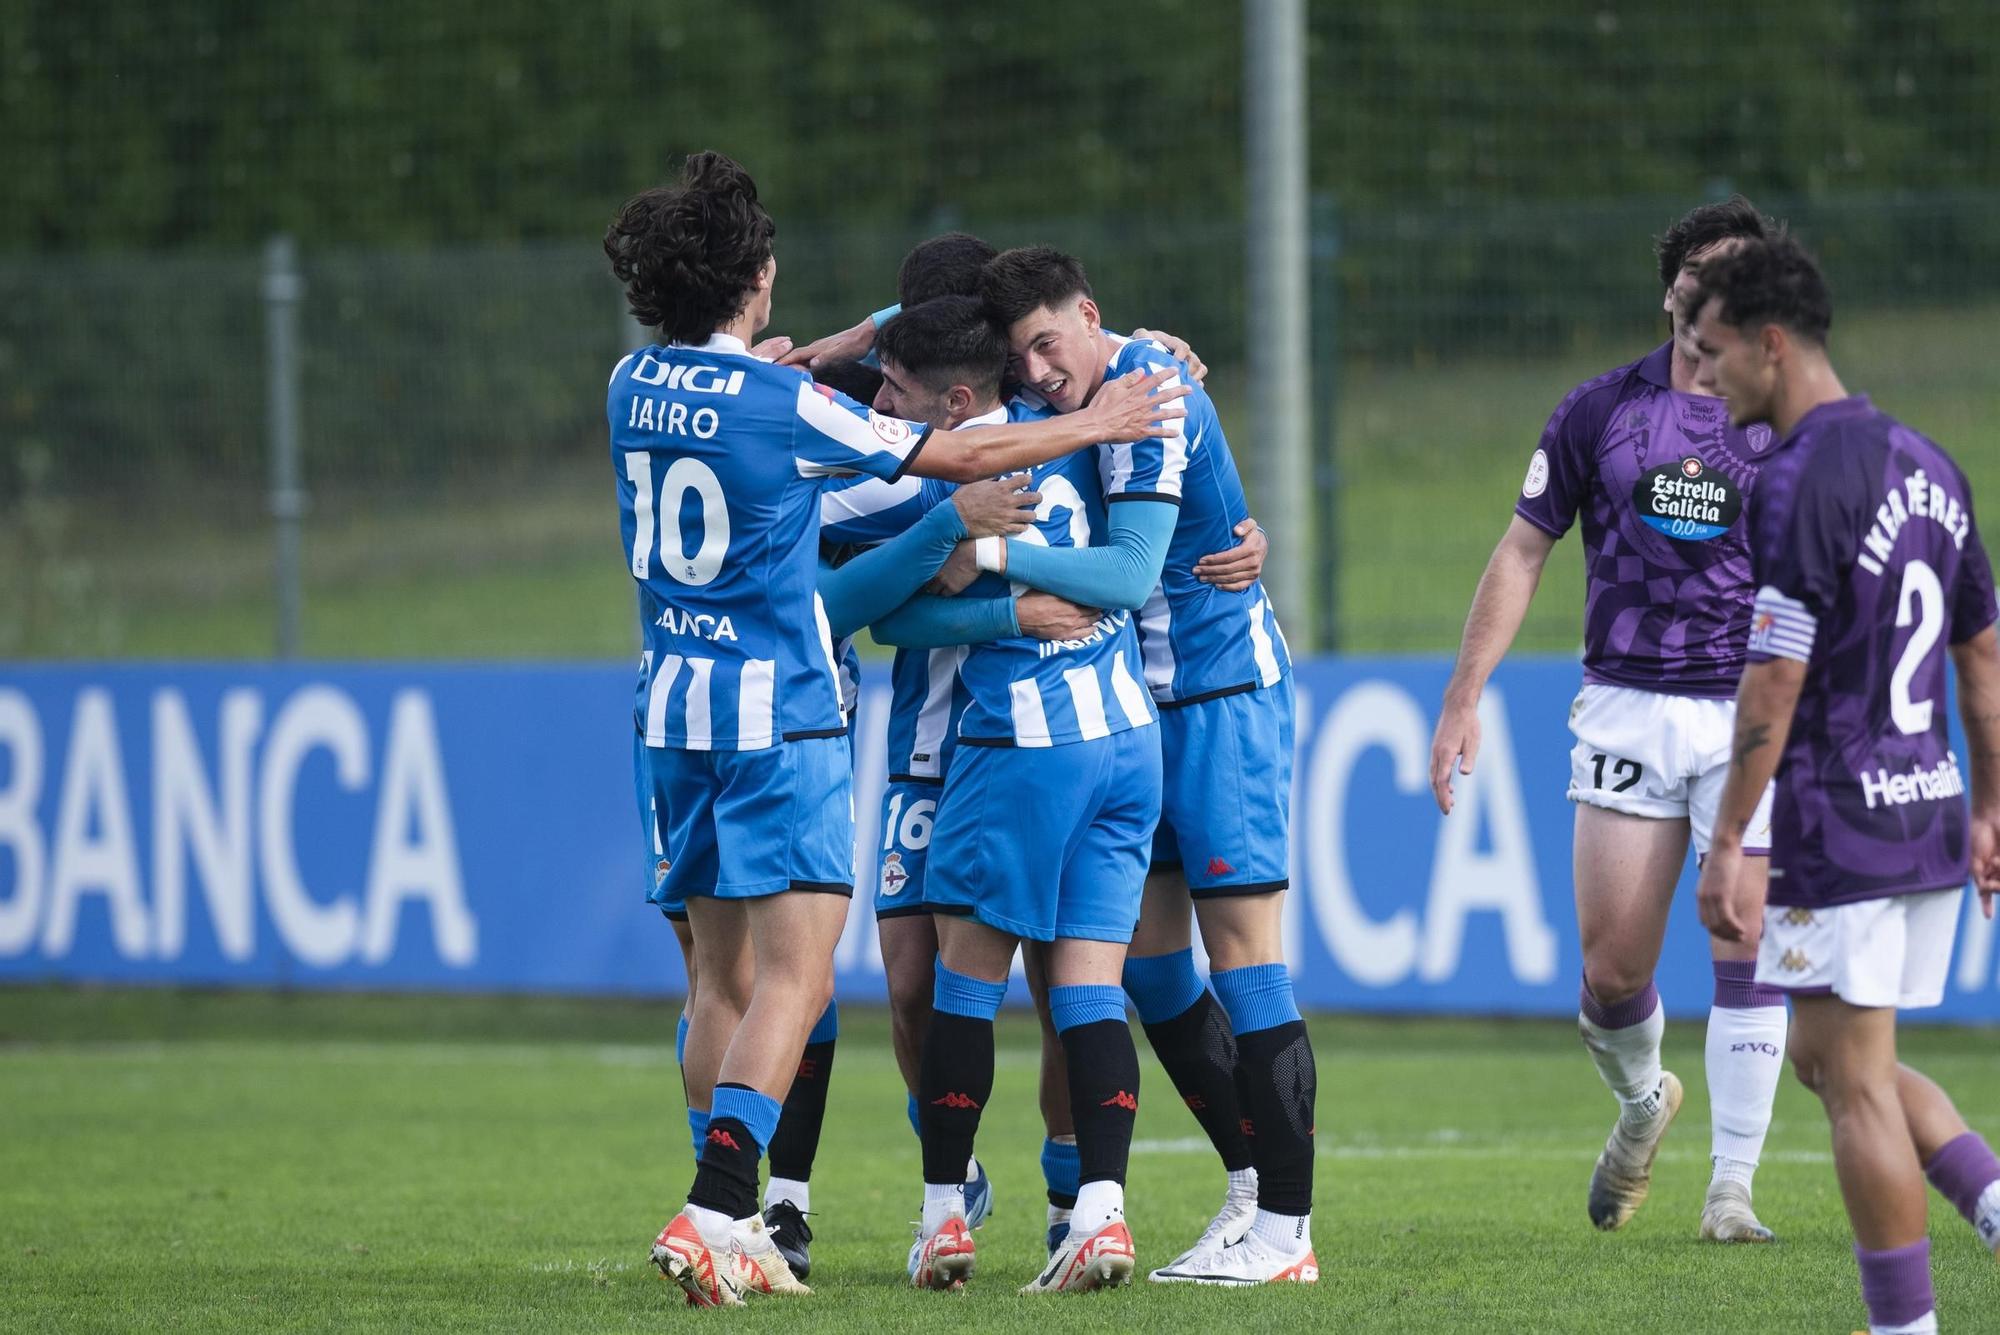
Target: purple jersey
1660, 478
1868, 563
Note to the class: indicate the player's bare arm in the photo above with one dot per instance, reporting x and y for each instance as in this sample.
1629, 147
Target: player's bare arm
1237, 569
1044, 616
1977, 662
1499, 605
1128, 408
1765, 700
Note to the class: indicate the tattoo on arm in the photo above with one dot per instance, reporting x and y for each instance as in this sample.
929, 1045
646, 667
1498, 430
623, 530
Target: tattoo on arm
1754, 737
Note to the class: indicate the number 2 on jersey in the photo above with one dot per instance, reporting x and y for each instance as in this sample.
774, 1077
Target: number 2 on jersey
1921, 587
683, 476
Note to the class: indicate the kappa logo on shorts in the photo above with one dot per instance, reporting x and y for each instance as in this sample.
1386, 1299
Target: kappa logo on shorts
1794, 960
894, 878
1220, 867
1796, 917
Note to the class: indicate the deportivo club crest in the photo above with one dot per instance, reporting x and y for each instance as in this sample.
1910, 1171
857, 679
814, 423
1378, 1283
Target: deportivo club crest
894, 878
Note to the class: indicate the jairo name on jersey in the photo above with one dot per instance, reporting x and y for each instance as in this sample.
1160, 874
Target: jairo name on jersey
698, 624
1686, 500
1927, 500
1940, 781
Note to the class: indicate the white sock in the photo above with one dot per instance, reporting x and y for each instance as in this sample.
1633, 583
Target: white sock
1629, 1060
941, 1202
786, 1189
1243, 1185
1923, 1325
713, 1225
1745, 1057
1986, 1215
1287, 1232
971, 1168
1097, 1204
1726, 1169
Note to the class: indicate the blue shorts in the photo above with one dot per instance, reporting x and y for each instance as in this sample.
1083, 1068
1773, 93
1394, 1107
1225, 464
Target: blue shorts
1048, 842
743, 824
909, 809
651, 850
1225, 811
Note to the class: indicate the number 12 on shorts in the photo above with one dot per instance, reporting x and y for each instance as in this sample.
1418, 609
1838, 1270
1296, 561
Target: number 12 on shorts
1628, 771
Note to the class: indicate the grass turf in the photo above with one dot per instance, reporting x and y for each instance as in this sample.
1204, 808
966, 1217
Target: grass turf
174, 1160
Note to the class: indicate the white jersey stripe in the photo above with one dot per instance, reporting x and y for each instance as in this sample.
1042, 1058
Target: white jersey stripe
1031, 724
1156, 644
1131, 699
935, 716
826, 647
845, 504
664, 673
699, 737
639, 472
1086, 697
874, 434
753, 704
1268, 671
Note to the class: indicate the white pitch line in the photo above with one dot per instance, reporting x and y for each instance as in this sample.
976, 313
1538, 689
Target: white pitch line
1450, 1146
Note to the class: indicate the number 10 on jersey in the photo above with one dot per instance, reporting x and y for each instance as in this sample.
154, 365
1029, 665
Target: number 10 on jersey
682, 476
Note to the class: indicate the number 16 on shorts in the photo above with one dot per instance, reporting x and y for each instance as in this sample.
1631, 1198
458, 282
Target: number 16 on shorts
908, 812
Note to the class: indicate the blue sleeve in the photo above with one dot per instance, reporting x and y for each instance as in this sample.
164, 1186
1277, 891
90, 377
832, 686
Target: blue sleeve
878, 319
1123, 573
879, 580
861, 511
927, 622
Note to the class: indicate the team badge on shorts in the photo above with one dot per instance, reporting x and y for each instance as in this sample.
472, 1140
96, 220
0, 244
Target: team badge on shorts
660, 870
894, 878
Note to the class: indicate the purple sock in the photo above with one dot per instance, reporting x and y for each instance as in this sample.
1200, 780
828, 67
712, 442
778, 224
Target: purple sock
1896, 1284
1962, 1170
1623, 1015
1737, 988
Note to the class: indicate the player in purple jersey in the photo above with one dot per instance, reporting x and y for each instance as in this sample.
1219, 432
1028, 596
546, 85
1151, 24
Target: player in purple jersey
755, 809
1659, 477
1868, 561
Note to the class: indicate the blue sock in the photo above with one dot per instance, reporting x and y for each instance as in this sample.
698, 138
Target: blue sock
756, 1110
1085, 1003
1257, 997
916, 1118
697, 1128
1061, 1167
974, 998
828, 1027
1162, 986
681, 1041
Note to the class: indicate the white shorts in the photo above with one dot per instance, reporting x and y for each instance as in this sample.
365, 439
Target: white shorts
1873, 952
1659, 756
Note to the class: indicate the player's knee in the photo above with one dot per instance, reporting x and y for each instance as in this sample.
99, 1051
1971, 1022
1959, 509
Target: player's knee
1806, 1068
1612, 982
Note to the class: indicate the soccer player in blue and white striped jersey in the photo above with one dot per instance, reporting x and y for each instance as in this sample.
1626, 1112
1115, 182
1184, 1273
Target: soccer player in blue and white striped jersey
1218, 670
719, 458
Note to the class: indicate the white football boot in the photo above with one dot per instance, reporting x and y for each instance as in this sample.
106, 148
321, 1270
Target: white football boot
1239, 1210
1624, 1172
1103, 1260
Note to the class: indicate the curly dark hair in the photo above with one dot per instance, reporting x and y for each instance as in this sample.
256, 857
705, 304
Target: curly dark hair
944, 266
948, 341
857, 382
1704, 225
1021, 281
1773, 281
689, 253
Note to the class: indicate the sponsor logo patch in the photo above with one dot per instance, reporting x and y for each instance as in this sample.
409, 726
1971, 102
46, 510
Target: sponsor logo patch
1537, 480
1687, 500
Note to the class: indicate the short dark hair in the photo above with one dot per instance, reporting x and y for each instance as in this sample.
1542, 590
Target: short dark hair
1772, 281
851, 378
1021, 281
947, 341
944, 266
1704, 225
689, 253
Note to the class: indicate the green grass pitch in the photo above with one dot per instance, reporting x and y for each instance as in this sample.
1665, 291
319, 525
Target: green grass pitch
187, 1161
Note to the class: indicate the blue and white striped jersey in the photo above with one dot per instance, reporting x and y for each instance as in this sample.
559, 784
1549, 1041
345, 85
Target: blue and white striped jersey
1196, 640
1027, 692
720, 458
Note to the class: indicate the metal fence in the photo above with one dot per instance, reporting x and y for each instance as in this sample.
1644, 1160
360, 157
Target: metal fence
1483, 187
